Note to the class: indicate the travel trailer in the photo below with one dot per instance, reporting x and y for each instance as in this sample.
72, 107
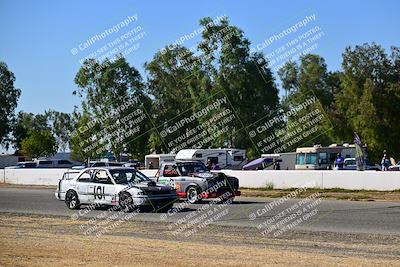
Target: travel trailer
225, 158
153, 161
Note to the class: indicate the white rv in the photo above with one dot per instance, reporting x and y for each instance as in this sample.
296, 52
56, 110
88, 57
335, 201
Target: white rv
153, 161
225, 158
318, 157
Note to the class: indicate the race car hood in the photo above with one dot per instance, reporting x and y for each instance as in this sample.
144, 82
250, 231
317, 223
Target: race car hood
204, 175
150, 186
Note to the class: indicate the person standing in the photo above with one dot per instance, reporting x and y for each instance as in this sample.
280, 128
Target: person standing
339, 162
209, 165
277, 166
151, 166
385, 163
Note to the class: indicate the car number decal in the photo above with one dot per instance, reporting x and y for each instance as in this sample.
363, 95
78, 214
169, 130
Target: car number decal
98, 192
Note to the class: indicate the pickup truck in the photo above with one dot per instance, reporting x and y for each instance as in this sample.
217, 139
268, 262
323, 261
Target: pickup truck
193, 181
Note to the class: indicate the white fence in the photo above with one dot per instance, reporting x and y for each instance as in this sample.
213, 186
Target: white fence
33, 176
353, 180
2, 177
368, 180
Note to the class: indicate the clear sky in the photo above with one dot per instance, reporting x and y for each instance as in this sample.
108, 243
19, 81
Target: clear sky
36, 37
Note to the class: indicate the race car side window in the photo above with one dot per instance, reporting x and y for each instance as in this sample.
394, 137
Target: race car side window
85, 177
170, 171
101, 177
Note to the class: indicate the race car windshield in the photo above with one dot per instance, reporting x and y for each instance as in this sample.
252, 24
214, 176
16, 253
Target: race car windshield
191, 167
128, 176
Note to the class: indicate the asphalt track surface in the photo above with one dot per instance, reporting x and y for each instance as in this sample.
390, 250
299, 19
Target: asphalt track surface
331, 215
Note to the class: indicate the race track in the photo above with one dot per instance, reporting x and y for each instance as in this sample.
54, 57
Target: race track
332, 216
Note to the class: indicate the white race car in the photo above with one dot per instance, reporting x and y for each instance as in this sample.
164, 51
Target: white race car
115, 186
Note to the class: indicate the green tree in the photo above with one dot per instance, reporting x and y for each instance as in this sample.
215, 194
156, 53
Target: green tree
170, 72
39, 143
175, 82
59, 123
80, 137
61, 126
183, 81
310, 77
9, 96
105, 89
24, 123
370, 96
244, 77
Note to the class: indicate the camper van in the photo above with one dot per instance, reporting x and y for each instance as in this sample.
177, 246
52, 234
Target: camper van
153, 161
225, 158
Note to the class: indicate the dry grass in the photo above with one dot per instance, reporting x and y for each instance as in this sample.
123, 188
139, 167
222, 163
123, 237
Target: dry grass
335, 193
27, 241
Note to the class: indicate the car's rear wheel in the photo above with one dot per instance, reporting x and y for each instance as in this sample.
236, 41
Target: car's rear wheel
126, 202
192, 195
72, 200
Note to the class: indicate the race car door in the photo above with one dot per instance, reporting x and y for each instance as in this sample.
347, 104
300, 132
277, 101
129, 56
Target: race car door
101, 188
82, 185
168, 174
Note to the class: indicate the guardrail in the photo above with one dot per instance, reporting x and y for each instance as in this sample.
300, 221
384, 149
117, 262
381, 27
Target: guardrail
282, 179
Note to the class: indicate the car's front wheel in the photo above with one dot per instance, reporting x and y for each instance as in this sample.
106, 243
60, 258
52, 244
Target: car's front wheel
126, 202
72, 200
193, 195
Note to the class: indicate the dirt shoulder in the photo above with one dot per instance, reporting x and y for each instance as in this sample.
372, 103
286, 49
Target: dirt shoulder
55, 241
